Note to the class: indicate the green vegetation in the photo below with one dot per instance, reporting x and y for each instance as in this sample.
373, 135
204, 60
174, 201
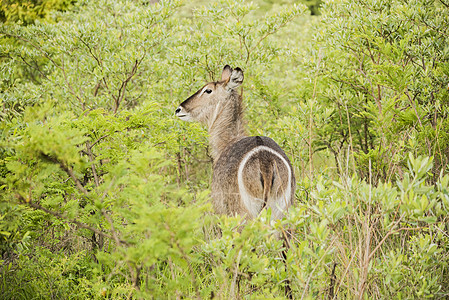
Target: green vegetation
104, 194
28, 11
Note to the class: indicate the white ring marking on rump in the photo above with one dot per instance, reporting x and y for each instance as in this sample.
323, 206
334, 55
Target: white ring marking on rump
247, 199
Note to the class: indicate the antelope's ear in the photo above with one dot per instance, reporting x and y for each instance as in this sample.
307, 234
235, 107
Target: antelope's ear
236, 79
226, 74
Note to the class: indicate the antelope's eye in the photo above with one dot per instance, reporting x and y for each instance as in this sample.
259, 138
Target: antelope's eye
208, 91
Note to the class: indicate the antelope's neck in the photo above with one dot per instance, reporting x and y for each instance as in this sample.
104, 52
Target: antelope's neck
225, 128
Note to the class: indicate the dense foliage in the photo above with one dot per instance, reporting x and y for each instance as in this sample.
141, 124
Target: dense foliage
104, 194
28, 11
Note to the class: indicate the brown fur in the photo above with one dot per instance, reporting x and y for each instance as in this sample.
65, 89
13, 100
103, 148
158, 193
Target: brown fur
265, 175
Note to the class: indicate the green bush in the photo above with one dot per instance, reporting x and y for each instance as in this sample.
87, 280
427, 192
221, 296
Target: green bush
105, 195
383, 76
28, 11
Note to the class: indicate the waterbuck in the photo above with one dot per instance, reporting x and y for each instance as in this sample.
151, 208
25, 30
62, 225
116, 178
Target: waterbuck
250, 173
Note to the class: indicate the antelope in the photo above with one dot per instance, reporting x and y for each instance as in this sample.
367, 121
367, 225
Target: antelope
250, 173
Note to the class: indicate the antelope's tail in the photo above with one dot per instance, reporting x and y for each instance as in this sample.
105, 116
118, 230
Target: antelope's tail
267, 177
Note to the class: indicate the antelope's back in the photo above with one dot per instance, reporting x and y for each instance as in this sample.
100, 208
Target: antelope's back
250, 175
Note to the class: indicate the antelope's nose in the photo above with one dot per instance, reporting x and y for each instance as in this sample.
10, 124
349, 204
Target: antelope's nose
178, 110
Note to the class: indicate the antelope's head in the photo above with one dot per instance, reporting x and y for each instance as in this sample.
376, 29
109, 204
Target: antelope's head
204, 104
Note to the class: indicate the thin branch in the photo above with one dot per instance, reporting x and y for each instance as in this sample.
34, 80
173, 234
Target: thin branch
70, 86
99, 139
390, 233
66, 169
107, 89
234, 280
69, 171
33, 67
122, 89
333, 278
96, 88
65, 218
412, 102
430, 26
61, 67
271, 32
34, 46
91, 52
92, 159
444, 3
